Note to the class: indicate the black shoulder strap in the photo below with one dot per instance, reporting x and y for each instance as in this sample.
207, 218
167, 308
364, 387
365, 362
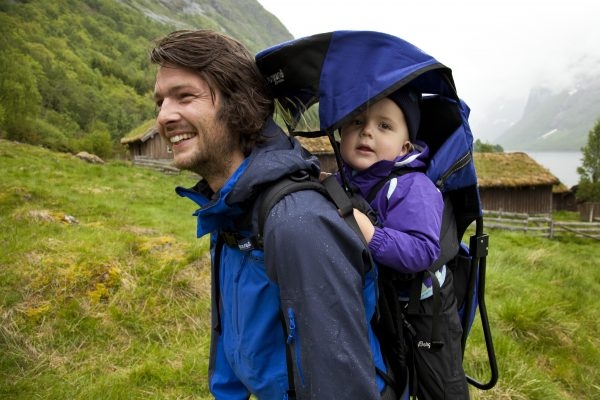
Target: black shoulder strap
344, 205
395, 173
278, 190
293, 183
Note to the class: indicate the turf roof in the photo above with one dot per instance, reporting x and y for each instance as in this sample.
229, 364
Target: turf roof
511, 170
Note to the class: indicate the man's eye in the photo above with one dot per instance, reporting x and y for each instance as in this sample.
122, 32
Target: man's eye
157, 106
187, 97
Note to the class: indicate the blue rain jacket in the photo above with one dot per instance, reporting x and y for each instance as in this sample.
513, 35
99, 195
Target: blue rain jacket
311, 272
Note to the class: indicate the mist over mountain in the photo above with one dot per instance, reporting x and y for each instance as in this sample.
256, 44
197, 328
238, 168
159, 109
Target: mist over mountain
557, 115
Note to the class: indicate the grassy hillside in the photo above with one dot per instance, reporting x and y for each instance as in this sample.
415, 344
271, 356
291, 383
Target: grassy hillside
76, 76
104, 291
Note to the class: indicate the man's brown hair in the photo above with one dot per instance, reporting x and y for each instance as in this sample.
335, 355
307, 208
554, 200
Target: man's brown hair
227, 66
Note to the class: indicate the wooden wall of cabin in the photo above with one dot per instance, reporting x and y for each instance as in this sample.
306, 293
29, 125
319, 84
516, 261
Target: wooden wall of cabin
529, 199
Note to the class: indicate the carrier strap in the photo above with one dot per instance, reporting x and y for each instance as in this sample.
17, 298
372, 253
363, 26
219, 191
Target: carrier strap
281, 188
344, 205
389, 327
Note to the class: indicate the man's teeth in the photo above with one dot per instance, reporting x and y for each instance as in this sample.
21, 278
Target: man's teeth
179, 138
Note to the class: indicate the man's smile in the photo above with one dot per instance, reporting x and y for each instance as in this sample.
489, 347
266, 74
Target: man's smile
180, 137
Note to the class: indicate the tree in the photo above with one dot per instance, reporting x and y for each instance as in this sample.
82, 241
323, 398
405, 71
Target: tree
589, 171
20, 100
482, 147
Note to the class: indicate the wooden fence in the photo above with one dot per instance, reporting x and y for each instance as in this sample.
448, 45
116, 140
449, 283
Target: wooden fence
540, 225
161, 165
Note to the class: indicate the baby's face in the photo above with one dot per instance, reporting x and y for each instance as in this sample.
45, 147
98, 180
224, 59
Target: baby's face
379, 133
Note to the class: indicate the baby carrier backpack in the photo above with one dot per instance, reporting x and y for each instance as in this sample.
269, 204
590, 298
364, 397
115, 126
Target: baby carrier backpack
326, 79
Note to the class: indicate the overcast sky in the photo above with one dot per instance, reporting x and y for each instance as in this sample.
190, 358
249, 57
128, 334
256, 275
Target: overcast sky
494, 48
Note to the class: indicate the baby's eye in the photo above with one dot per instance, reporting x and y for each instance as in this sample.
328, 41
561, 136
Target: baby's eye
385, 125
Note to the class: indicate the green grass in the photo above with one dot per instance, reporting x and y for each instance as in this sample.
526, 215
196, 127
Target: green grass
543, 303
116, 305
112, 306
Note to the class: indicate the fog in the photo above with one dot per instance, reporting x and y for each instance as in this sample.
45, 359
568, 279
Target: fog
496, 49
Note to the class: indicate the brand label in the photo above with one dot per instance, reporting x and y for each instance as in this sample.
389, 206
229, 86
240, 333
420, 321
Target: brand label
423, 344
277, 78
245, 245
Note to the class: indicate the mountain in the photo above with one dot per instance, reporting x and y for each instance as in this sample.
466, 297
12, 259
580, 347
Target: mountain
490, 121
245, 20
557, 119
75, 74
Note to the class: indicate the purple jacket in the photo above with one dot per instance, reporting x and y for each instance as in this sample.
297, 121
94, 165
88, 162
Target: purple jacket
409, 208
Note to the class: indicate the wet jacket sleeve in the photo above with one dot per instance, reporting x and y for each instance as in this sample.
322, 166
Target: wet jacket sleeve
317, 261
410, 215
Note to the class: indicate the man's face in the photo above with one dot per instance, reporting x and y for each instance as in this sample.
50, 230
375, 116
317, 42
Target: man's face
187, 118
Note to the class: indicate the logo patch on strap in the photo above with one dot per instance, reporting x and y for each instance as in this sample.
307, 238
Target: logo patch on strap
277, 78
423, 344
245, 244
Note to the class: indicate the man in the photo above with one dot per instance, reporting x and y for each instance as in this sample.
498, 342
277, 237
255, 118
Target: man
305, 302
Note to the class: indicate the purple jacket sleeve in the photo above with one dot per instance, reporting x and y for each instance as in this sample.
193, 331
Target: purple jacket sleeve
410, 212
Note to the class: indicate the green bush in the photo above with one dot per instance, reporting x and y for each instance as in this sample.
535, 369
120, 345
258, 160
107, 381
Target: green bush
589, 172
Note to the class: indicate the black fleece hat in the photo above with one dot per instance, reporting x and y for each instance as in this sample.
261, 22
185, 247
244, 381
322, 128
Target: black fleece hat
409, 102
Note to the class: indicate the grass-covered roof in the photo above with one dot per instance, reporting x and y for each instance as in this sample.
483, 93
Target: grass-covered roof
511, 170
318, 145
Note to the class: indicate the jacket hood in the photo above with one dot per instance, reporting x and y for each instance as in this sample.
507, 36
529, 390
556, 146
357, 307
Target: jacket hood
366, 179
278, 156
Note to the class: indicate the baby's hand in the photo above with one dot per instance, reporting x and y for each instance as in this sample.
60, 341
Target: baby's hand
364, 223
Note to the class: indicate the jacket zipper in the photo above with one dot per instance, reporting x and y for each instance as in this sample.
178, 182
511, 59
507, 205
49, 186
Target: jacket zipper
292, 340
461, 163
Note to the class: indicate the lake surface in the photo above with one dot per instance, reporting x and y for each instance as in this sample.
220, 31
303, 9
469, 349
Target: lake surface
562, 164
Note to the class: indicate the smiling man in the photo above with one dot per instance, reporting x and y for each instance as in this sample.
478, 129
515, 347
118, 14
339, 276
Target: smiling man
188, 118
303, 302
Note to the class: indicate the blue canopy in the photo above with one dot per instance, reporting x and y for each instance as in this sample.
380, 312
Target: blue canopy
345, 70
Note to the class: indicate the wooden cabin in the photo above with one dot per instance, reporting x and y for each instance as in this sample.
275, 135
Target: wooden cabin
563, 198
514, 182
145, 142
321, 147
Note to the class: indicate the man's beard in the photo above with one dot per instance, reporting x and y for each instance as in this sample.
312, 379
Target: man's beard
212, 156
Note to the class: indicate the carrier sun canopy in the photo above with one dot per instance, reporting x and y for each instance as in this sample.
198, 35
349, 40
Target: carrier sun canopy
345, 70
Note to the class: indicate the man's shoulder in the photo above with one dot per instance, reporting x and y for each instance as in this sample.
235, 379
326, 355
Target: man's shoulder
303, 203
307, 210
310, 209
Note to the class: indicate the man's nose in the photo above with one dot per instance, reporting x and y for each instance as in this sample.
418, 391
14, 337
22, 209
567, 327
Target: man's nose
167, 113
